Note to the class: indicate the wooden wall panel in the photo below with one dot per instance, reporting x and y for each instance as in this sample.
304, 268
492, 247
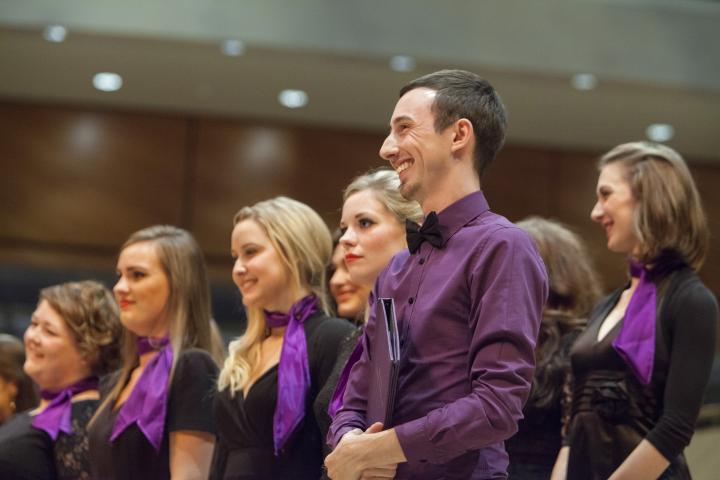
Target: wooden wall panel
708, 181
240, 164
75, 182
80, 177
572, 198
517, 182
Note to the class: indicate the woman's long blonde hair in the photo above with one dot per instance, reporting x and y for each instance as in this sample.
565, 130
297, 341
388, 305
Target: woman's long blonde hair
188, 303
302, 240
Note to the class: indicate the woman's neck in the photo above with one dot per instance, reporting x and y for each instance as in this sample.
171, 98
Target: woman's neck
277, 332
146, 357
90, 394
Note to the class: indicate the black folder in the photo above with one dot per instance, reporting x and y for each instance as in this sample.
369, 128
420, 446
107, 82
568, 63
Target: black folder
384, 365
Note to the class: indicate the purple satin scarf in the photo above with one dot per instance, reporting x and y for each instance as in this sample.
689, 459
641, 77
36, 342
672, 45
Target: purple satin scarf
293, 369
147, 404
56, 417
337, 399
636, 341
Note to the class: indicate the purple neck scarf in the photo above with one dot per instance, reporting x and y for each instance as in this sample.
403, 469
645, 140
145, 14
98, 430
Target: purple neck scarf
147, 404
337, 399
636, 341
56, 417
293, 369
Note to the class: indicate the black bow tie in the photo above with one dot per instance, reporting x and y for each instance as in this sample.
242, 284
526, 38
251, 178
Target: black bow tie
430, 232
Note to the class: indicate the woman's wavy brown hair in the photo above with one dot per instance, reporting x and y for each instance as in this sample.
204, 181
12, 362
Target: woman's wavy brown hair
574, 290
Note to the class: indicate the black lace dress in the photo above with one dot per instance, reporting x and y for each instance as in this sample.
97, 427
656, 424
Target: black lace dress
71, 452
29, 453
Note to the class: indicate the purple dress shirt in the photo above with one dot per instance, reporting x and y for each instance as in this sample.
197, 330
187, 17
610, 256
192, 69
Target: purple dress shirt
468, 315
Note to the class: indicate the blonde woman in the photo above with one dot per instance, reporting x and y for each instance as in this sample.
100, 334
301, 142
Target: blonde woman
156, 421
266, 426
373, 220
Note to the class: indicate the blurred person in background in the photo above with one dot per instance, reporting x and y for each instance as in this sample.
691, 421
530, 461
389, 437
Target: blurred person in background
72, 340
17, 392
349, 298
640, 368
573, 291
155, 422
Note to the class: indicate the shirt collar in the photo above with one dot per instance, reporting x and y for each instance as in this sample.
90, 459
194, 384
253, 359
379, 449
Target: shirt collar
455, 216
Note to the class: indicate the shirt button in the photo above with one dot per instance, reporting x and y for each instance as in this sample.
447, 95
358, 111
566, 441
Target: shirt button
422, 261
411, 300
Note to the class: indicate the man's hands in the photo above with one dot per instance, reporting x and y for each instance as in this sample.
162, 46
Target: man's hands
364, 455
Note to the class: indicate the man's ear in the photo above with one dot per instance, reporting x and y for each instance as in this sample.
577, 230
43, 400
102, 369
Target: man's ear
463, 135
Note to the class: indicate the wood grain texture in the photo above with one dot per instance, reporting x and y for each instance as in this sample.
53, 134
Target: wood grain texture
76, 182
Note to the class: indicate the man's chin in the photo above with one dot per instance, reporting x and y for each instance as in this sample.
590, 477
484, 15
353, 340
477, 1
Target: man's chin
409, 191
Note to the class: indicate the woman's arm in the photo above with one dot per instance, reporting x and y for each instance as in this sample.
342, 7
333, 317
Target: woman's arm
689, 318
559, 471
190, 423
190, 454
645, 462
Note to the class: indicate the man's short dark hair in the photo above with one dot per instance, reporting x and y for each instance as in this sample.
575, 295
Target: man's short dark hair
462, 94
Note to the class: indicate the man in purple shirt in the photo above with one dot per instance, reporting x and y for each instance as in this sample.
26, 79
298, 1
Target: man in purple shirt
468, 300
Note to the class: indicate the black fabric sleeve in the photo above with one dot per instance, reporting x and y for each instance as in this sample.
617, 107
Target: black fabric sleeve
191, 393
325, 347
693, 317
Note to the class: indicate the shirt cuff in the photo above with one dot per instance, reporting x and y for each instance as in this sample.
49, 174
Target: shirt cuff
339, 434
414, 442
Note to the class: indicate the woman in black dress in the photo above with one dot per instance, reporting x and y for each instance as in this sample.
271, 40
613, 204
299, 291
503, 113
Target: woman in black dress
263, 411
574, 289
642, 365
155, 422
17, 392
71, 341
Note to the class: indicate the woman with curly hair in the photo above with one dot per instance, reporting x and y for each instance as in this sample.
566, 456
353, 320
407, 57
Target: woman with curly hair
71, 341
574, 289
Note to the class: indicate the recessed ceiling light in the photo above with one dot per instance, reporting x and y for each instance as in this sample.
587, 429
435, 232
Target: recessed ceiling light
293, 98
107, 81
55, 33
232, 47
660, 132
402, 63
584, 81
